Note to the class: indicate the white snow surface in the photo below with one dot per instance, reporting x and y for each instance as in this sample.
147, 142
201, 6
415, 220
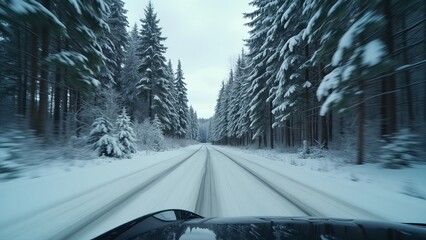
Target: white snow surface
63, 197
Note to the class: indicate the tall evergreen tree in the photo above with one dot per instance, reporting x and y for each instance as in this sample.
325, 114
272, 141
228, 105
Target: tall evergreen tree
243, 122
192, 132
153, 69
113, 42
260, 20
355, 53
173, 98
182, 101
130, 75
117, 21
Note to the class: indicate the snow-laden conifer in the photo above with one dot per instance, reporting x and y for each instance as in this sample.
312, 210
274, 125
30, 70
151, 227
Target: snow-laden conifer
401, 150
153, 68
102, 139
157, 133
182, 101
125, 135
130, 76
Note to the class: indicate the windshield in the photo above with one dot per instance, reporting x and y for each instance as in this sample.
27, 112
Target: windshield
114, 109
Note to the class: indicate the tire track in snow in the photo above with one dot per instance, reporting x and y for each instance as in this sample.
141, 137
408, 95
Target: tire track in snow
295, 202
205, 205
65, 224
333, 201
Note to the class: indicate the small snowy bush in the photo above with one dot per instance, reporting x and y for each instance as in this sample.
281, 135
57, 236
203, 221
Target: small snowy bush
109, 146
102, 139
100, 127
401, 150
149, 135
126, 136
317, 151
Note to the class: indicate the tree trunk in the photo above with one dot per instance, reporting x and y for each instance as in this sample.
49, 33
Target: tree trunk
265, 141
271, 121
34, 73
43, 94
57, 103
330, 126
361, 115
324, 132
388, 99
151, 117
77, 113
407, 76
20, 74
25, 73
65, 110
287, 132
58, 90
307, 122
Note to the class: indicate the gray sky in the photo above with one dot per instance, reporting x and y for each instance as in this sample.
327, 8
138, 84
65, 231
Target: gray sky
206, 35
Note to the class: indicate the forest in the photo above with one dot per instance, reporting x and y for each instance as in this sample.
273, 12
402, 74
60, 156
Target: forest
312, 75
72, 73
325, 74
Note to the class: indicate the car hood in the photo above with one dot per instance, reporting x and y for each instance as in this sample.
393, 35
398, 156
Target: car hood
196, 227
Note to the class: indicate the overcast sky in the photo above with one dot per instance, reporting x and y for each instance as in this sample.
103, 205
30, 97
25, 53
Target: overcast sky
206, 35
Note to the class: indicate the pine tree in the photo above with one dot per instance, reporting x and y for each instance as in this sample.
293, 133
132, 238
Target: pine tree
117, 22
130, 75
99, 128
220, 133
126, 136
157, 133
153, 68
113, 41
290, 82
173, 98
243, 122
82, 55
401, 150
182, 101
192, 132
259, 90
231, 111
355, 54
102, 139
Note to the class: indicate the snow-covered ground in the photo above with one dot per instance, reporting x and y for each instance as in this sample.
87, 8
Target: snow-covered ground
390, 194
82, 200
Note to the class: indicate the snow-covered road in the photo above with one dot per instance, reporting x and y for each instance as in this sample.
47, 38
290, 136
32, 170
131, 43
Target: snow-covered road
208, 180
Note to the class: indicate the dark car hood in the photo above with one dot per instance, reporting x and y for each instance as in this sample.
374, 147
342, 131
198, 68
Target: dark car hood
265, 228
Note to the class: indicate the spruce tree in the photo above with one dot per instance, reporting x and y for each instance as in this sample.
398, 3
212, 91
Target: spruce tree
130, 76
182, 101
102, 139
117, 22
173, 97
153, 69
125, 135
260, 20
